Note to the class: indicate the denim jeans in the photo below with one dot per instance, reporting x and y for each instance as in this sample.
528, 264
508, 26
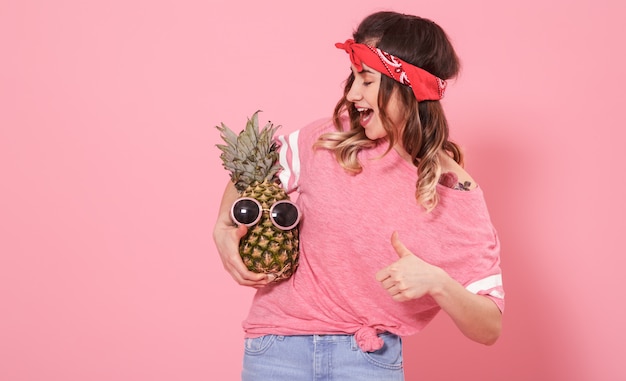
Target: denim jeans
319, 358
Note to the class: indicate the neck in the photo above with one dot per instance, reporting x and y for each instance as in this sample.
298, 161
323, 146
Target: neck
403, 154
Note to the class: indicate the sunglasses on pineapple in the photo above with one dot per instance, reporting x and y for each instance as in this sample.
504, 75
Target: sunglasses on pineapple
284, 214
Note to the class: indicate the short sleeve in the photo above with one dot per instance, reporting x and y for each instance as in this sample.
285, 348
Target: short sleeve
295, 148
489, 283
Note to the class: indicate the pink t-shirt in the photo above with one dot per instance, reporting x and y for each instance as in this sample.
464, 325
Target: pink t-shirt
345, 240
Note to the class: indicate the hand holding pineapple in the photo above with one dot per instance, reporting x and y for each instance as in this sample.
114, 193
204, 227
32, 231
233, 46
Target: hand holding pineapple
226, 236
270, 245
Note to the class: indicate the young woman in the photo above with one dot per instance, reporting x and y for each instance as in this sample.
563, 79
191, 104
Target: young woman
394, 229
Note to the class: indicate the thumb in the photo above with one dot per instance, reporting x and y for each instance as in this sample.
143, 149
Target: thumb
241, 231
399, 246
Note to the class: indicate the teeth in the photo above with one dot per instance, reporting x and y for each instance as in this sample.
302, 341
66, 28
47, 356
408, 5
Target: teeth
361, 109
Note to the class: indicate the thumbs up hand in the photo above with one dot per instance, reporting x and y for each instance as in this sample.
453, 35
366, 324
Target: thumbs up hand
409, 277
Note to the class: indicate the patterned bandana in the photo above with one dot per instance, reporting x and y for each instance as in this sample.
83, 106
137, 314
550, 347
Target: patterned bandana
425, 86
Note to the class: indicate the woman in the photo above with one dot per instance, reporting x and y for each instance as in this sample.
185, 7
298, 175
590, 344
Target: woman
394, 228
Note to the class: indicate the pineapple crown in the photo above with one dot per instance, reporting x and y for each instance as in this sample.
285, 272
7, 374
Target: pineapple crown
251, 156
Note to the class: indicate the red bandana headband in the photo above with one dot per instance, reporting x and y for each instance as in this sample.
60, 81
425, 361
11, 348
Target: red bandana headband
425, 85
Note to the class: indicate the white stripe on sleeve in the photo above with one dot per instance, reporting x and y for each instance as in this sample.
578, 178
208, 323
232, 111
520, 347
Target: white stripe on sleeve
289, 160
493, 283
285, 174
295, 158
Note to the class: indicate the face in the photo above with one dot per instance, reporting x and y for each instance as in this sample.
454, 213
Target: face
364, 94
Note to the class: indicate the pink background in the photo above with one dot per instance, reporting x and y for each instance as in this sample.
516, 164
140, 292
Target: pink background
110, 179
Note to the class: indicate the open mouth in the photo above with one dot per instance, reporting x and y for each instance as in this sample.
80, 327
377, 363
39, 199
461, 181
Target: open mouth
365, 115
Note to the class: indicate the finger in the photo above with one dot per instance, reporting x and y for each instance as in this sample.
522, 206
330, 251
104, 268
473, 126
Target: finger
251, 276
400, 297
255, 277
395, 292
266, 279
399, 246
256, 281
241, 231
241, 274
382, 275
387, 284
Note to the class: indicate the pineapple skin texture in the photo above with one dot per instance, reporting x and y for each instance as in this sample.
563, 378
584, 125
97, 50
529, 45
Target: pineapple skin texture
265, 248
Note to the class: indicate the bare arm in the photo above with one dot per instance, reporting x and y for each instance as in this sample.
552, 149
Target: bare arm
410, 277
478, 317
226, 236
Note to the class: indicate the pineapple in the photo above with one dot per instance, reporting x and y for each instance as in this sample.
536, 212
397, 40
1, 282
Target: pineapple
252, 159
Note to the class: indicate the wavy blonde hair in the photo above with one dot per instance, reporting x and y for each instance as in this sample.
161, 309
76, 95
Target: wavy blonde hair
422, 43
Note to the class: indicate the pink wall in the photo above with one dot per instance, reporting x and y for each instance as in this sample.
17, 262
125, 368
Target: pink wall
110, 179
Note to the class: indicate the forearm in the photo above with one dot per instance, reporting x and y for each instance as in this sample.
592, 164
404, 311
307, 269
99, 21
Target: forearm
229, 196
410, 277
478, 317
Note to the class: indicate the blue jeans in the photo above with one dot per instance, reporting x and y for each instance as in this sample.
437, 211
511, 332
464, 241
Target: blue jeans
319, 358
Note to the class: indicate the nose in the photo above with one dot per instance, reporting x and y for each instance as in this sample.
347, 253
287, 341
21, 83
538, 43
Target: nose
354, 94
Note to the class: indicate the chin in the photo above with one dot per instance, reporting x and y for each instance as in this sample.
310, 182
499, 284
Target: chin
374, 135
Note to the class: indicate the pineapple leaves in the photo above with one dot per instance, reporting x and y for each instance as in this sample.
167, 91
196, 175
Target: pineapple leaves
251, 155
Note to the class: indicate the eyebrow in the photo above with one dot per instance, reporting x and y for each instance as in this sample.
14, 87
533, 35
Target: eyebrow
365, 70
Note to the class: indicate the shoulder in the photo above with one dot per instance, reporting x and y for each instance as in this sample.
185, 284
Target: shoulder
297, 145
453, 175
310, 132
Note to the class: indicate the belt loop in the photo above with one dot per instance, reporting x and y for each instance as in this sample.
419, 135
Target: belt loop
353, 344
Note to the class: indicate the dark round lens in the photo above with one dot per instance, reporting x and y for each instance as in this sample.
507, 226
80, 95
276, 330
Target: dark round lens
245, 211
284, 214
